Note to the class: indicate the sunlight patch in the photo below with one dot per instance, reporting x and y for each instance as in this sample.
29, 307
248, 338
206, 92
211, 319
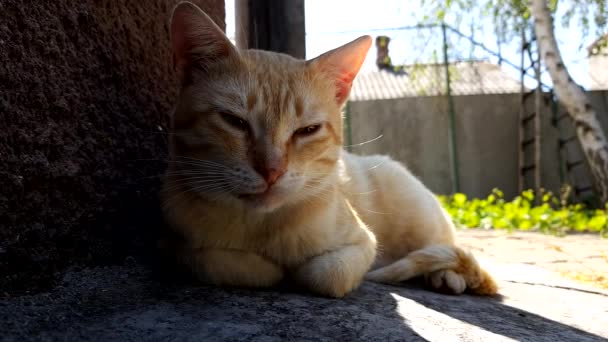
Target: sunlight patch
433, 325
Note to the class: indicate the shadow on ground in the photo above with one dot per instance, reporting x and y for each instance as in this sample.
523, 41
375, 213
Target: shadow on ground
130, 303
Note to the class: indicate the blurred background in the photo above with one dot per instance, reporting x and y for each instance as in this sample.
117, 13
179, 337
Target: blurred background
451, 90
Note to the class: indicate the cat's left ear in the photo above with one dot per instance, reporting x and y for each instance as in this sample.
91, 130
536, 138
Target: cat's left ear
343, 64
196, 39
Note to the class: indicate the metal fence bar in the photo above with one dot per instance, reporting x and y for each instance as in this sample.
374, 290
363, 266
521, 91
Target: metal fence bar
451, 115
538, 105
347, 127
402, 28
491, 52
522, 115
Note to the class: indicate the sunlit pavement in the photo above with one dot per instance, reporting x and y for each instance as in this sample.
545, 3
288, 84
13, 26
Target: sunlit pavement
580, 257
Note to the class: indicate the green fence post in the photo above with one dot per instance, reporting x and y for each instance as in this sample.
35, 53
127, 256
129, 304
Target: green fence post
451, 116
347, 127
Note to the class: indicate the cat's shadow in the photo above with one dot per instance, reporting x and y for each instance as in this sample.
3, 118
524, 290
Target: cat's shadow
384, 313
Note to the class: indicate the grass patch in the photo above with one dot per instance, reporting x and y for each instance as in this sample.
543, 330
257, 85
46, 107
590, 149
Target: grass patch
550, 215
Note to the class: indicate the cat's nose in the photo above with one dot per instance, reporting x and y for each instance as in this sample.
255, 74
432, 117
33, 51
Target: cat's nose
271, 175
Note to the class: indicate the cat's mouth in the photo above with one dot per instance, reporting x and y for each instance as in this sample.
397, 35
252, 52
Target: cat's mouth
255, 196
266, 201
251, 196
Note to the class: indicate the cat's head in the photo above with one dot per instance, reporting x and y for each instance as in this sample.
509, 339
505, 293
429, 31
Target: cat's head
257, 128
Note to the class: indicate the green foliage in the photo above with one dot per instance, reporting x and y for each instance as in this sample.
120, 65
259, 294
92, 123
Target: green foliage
599, 47
510, 15
549, 216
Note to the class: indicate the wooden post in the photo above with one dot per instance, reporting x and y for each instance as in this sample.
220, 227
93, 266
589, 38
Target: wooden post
274, 25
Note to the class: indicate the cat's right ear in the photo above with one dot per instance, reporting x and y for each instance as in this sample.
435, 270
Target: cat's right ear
196, 39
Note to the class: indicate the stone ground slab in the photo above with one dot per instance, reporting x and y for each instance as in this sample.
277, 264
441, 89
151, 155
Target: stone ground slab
583, 257
129, 303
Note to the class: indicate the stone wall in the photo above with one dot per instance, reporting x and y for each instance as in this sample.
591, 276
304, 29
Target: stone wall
85, 90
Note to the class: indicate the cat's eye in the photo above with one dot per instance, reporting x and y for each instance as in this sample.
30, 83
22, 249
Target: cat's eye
308, 130
235, 121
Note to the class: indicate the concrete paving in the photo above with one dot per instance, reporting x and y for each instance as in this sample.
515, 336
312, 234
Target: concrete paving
129, 303
582, 257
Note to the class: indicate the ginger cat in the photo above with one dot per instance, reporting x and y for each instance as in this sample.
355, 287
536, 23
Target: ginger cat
260, 189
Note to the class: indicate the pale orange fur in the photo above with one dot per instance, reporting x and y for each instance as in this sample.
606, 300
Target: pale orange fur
257, 199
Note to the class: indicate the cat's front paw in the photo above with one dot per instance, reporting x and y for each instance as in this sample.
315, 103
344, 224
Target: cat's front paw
337, 273
322, 276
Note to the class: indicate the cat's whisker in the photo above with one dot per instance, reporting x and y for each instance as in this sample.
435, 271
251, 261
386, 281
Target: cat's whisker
173, 199
201, 160
189, 184
190, 180
200, 181
373, 211
366, 142
376, 166
319, 192
206, 188
176, 157
363, 193
177, 176
313, 197
329, 191
193, 166
316, 193
195, 175
209, 166
320, 196
320, 187
307, 174
186, 178
227, 191
193, 162
210, 188
202, 170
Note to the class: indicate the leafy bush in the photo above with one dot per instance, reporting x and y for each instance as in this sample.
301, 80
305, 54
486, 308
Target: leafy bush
549, 216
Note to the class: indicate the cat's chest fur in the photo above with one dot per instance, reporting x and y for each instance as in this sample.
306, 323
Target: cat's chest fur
288, 237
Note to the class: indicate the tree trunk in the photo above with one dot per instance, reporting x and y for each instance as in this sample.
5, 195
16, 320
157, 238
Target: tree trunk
573, 97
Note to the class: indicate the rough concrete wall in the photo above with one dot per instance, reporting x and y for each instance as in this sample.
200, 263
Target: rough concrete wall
599, 101
487, 140
415, 132
84, 86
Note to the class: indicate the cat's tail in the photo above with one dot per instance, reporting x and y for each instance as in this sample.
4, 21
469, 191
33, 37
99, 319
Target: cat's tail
443, 261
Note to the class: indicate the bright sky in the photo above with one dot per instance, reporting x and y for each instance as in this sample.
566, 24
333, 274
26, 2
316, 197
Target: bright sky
330, 24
